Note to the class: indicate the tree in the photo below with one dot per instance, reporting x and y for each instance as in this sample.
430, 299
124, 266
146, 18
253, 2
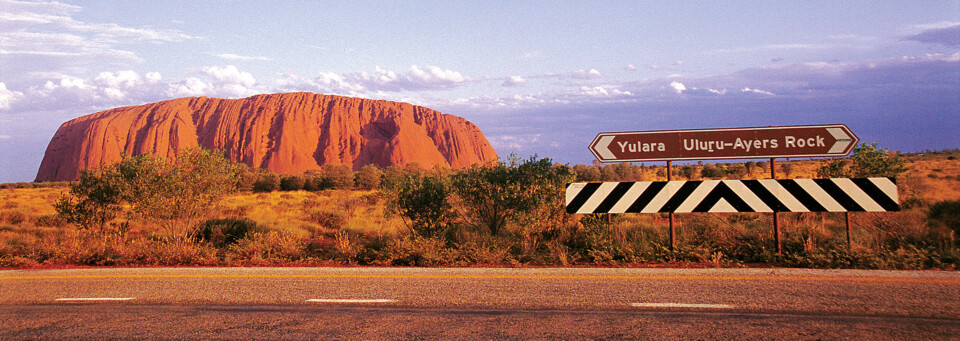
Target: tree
688, 171
834, 168
94, 200
712, 171
266, 182
336, 176
587, 173
945, 213
368, 177
867, 160
787, 169
736, 171
292, 183
870, 160
174, 193
528, 192
422, 199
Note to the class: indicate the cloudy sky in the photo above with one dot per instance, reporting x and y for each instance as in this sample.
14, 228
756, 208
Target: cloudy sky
537, 77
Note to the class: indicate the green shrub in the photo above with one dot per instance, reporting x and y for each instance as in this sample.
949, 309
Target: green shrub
422, 200
945, 213
368, 177
336, 176
329, 220
267, 248
291, 183
528, 193
712, 171
266, 182
223, 232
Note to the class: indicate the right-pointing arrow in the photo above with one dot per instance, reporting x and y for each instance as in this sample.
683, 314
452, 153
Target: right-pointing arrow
603, 148
843, 140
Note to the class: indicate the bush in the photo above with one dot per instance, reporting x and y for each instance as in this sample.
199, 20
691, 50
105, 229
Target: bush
172, 193
223, 232
368, 177
291, 183
712, 171
268, 248
266, 182
833, 168
422, 200
329, 220
336, 177
870, 160
529, 193
945, 213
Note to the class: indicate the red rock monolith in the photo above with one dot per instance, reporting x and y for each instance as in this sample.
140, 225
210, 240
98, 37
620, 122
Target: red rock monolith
286, 133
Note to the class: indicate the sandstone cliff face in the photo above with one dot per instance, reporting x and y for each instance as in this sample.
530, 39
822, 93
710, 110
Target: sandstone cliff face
285, 133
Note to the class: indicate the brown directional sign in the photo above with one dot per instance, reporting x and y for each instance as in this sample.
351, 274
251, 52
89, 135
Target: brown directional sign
725, 143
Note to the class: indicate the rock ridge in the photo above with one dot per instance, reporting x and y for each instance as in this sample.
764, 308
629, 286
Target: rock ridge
287, 133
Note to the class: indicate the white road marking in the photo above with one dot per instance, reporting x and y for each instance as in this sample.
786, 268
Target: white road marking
333, 300
81, 299
681, 305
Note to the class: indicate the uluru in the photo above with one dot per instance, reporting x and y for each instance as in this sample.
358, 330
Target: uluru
288, 133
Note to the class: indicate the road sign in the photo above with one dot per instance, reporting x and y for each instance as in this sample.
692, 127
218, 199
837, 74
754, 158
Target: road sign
725, 143
725, 196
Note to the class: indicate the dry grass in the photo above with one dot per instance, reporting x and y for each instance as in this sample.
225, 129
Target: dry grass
341, 226
307, 214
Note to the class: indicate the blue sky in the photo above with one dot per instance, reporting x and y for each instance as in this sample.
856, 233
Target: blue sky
537, 77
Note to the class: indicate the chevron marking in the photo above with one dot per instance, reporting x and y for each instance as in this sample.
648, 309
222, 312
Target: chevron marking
767, 195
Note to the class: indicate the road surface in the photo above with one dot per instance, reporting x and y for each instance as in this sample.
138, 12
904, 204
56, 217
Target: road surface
478, 303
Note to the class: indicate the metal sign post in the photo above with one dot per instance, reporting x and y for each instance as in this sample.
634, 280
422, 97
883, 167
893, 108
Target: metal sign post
673, 232
776, 219
731, 143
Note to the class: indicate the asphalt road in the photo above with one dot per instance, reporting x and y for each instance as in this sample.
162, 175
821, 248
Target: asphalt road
475, 303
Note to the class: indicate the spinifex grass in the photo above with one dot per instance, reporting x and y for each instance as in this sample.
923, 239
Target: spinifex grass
354, 227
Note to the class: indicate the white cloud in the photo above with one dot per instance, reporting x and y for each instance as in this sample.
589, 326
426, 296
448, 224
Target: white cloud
7, 97
224, 81
678, 87
119, 79
586, 74
153, 77
756, 91
531, 55
229, 75
44, 37
603, 91
936, 25
515, 143
417, 78
630, 67
775, 47
433, 74
514, 81
191, 86
231, 56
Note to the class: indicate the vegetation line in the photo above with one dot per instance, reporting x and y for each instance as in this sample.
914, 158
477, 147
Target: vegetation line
199, 209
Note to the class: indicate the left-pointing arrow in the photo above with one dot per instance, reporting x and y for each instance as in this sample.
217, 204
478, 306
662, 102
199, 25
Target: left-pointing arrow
603, 148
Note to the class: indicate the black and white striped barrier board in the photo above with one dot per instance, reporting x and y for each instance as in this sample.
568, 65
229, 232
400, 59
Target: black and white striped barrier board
724, 196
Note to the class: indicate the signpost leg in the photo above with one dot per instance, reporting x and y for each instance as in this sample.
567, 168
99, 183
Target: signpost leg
846, 217
673, 232
776, 218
